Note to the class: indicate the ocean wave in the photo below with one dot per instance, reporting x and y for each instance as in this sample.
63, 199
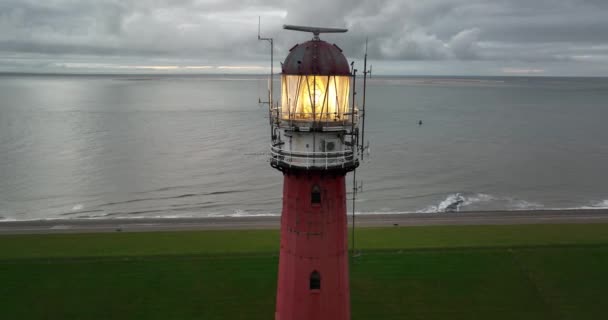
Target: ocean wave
517, 205
178, 196
603, 204
456, 202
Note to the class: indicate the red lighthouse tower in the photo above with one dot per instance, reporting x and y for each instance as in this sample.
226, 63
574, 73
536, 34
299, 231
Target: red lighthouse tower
314, 144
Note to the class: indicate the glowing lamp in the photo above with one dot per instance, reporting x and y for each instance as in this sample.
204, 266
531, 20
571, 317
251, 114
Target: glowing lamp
315, 97
315, 84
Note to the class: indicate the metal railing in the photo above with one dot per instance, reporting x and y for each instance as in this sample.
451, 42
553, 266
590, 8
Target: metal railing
312, 160
325, 119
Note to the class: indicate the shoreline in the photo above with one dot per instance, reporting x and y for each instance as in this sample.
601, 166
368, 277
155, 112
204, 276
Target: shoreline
273, 222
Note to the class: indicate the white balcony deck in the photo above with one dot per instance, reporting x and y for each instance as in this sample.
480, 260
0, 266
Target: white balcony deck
313, 160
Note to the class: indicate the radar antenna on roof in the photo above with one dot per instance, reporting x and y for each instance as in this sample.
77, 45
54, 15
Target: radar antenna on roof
315, 30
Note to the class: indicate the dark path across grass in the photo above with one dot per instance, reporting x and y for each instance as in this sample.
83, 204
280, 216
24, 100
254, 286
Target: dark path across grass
480, 272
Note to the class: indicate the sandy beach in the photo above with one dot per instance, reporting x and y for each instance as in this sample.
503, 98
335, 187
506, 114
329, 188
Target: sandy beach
272, 222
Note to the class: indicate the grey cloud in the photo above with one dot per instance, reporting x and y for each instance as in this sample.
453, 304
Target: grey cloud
464, 45
116, 27
451, 33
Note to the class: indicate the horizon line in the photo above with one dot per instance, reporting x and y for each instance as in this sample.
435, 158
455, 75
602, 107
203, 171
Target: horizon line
511, 75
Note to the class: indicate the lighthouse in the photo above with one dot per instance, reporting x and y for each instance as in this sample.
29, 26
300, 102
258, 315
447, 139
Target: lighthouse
314, 143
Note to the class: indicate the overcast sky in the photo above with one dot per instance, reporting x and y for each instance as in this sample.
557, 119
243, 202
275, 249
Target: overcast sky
410, 37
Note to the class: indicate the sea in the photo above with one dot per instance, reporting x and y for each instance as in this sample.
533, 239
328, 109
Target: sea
170, 146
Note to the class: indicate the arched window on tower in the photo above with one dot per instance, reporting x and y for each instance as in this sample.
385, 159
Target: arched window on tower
315, 195
315, 280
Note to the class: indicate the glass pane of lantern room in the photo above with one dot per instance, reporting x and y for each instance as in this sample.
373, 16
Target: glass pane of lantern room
314, 97
337, 97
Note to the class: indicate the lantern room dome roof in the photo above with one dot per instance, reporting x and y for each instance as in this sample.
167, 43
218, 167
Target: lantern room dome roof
316, 57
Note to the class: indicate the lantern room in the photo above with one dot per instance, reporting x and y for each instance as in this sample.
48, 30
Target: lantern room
315, 84
314, 126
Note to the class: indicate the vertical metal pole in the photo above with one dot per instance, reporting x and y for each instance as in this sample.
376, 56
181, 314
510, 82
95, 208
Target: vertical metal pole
363, 106
352, 111
355, 149
271, 93
270, 100
271, 70
352, 253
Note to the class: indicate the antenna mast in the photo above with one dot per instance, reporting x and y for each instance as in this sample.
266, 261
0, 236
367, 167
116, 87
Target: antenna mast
355, 142
360, 145
271, 85
365, 73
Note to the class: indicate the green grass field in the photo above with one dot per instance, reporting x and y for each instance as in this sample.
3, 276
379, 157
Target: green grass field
452, 272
